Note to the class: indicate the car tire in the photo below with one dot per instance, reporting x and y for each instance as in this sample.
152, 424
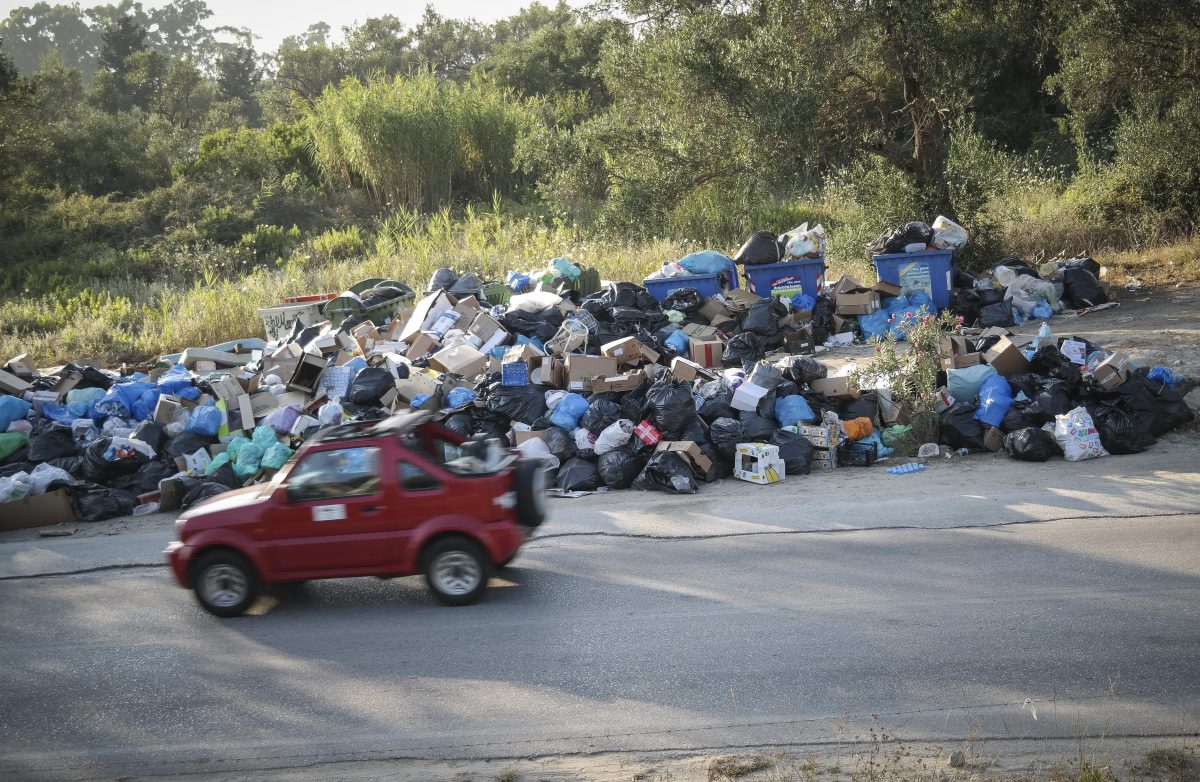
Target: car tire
457, 570
530, 483
225, 583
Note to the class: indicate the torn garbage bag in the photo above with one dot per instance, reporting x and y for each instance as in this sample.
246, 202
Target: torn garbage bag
668, 472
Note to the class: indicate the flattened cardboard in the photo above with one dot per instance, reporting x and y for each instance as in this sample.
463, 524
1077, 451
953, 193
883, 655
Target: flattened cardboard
835, 387
697, 330
13, 384
523, 435
426, 311
683, 369
615, 383
19, 366
884, 288
690, 453
1006, 358
40, 510
67, 381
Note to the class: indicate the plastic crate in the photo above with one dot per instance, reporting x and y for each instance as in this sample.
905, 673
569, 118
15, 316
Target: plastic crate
495, 293
852, 454
337, 310
931, 271
705, 284
786, 279
587, 283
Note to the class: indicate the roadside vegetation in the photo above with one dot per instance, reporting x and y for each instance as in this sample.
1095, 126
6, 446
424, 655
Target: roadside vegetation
160, 179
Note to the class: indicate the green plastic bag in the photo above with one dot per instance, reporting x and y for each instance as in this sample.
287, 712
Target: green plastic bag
217, 463
264, 437
234, 445
895, 434
275, 456
11, 442
248, 462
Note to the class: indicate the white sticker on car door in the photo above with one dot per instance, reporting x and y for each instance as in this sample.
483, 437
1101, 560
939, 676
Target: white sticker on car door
329, 512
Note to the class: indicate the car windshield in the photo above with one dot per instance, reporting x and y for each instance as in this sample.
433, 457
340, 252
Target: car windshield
342, 472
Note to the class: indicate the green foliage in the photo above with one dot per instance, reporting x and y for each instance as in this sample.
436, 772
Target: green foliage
271, 241
338, 245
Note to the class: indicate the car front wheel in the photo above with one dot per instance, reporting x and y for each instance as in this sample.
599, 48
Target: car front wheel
225, 583
457, 571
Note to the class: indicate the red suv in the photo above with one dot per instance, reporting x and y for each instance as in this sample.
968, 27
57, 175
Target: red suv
389, 498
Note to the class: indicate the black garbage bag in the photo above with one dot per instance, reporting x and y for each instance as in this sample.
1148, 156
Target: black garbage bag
670, 403
1120, 430
601, 414
560, 442
1031, 445
765, 374
964, 280
460, 423
541, 325
803, 370
9, 469
72, 464
742, 350
1028, 384
1084, 263
1050, 400
996, 315
98, 503
578, 475
958, 428
442, 279
369, 386
718, 407
755, 428
203, 491
1082, 289
1170, 410
725, 434
488, 423
794, 449
969, 303
152, 434
894, 241
470, 284
685, 300
1022, 267
666, 471
696, 431
92, 377
866, 406
822, 319
525, 404
148, 478
763, 317
761, 247
787, 388
1016, 418
619, 468
766, 405
1048, 361
54, 443
97, 469
225, 475
623, 294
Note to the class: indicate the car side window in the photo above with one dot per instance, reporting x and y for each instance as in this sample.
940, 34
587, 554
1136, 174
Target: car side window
413, 478
328, 475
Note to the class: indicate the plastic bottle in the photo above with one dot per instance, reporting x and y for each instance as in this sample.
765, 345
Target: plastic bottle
1043, 335
905, 469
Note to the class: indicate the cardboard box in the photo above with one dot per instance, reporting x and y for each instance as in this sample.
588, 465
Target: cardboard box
364, 335
707, 352
747, 396
823, 461
527, 354
13, 384
683, 369
690, 453
847, 284
227, 389
40, 510
484, 326
67, 381
758, 463
19, 366
857, 303
884, 288
835, 387
961, 360
419, 382
577, 372
520, 436
307, 374
711, 308
1006, 358
823, 437
262, 403
1112, 371
166, 410
426, 311
422, 345
646, 432
740, 300
629, 351
701, 332
993, 439
462, 360
615, 383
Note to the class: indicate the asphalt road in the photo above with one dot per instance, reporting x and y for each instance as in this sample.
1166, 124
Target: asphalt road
595, 644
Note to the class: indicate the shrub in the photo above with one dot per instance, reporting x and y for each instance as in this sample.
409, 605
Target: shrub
269, 242
338, 245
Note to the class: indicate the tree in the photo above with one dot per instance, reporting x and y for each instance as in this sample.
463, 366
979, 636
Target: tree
123, 39
450, 47
32, 32
380, 45
238, 78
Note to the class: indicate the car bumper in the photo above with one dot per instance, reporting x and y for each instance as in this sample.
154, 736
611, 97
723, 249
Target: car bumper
178, 556
503, 540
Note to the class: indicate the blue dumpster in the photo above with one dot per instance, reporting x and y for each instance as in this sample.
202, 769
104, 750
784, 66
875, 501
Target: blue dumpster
706, 284
931, 271
786, 279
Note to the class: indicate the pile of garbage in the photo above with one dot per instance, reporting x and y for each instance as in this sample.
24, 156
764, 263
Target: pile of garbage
610, 389
1014, 291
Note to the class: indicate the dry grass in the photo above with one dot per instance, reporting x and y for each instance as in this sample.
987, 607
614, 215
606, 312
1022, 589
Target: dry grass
736, 767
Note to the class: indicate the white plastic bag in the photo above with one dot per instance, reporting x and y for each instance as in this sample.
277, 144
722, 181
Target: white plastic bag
805, 242
44, 474
330, 413
1076, 434
553, 398
535, 302
584, 440
1025, 292
536, 448
14, 487
614, 436
947, 234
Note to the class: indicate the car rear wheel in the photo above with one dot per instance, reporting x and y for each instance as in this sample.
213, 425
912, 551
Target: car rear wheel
225, 583
457, 571
531, 493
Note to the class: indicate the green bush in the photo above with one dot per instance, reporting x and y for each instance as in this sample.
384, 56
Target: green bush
269, 242
338, 245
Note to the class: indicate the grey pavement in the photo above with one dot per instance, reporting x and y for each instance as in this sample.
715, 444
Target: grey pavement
1065, 629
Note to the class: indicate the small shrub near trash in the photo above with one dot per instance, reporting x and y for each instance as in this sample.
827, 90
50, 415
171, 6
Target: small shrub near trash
610, 386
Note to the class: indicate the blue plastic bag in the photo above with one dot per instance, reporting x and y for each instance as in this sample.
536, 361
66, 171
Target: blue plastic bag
678, 342
995, 397
881, 450
143, 408
874, 325
59, 413
1042, 310
518, 283
568, 411
205, 421
706, 262
964, 384
120, 399
459, 397
802, 302
12, 409
793, 409
1164, 376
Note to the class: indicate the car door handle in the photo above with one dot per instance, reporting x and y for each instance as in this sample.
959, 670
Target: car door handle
371, 508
